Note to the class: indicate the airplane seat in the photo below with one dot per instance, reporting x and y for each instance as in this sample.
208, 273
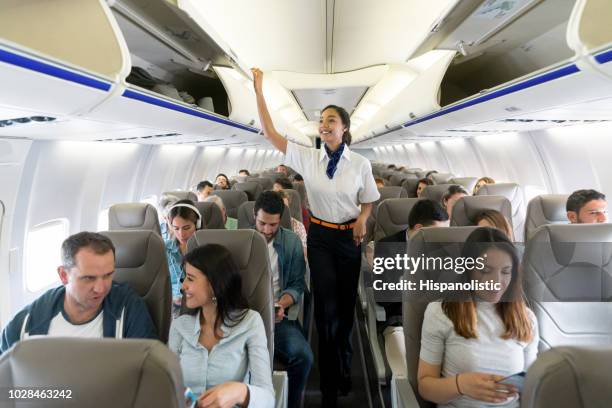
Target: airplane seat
574, 377
246, 217
133, 216
134, 372
545, 209
266, 182
435, 192
295, 204
441, 178
182, 195
250, 252
512, 192
397, 179
392, 216
140, 261
212, 217
240, 178
301, 189
385, 193
467, 208
410, 185
439, 242
232, 199
252, 189
466, 182
568, 282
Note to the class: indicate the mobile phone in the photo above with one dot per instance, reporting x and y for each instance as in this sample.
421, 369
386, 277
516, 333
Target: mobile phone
191, 400
517, 380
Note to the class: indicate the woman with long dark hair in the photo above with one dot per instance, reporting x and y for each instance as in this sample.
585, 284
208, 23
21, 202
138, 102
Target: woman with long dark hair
219, 341
468, 347
341, 189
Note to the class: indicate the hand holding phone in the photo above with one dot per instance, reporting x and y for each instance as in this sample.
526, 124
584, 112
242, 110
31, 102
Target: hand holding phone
517, 380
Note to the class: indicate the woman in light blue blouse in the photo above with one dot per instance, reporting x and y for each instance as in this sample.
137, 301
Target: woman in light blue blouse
220, 342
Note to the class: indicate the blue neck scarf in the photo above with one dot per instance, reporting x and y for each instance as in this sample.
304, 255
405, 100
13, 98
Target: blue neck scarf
334, 158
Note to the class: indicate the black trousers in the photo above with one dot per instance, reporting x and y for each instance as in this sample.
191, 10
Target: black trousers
334, 261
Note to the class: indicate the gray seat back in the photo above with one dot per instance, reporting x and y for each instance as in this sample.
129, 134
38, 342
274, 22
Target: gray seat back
246, 218
545, 209
250, 252
513, 193
133, 216
390, 192
212, 217
435, 192
392, 216
425, 242
295, 204
467, 208
266, 182
410, 185
441, 178
252, 189
301, 189
140, 261
466, 182
232, 199
182, 195
397, 179
568, 281
128, 373
573, 377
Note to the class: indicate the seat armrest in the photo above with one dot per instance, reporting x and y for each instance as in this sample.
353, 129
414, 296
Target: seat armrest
402, 395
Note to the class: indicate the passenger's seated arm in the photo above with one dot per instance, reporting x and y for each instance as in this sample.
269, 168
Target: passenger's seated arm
264, 115
434, 388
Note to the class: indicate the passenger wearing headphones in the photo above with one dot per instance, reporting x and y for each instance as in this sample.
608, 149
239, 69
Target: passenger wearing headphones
184, 219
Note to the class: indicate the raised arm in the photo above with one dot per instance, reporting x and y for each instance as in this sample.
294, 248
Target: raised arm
264, 115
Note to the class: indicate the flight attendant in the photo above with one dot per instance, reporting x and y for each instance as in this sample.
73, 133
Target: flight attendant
341, 189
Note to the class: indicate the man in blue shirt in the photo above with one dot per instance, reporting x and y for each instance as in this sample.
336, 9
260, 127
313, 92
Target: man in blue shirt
288, 268
88, 304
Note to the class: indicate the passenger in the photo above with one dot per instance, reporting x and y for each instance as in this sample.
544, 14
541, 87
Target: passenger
425, 213
88, 303
203, 189
391, 167
220, 342
184, 219
244, 172
288, 269
222, 182
454, 193
298, 178
165, 202
281, 168
429, 173
379, 182
401, 168
296, 225
424, 182
281, 184
468, 347
587, 207
481, 182
341, 191
229, 222
494, 219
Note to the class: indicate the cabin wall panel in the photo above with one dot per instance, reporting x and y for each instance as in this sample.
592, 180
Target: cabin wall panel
461, 157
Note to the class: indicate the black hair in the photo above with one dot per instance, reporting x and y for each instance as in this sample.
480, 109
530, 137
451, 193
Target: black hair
227, 181
248, 173
425, 212
183, 212
98, 243
270, 202
579, 198
452, 190
216, 263
298, 177
203, 184
346, 121
284, 182
391, 166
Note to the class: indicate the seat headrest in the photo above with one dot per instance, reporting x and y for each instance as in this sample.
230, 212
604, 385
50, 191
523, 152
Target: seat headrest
513, 193
577, 377
182, 195
545, 209
139, 372
295, 203
133, 216
391, 192
466, 182
467, 208
251, 188
441, 178
211, 215
508, 190
265, 182
435, 192
232, 199
392, 216
410, 185
246, 218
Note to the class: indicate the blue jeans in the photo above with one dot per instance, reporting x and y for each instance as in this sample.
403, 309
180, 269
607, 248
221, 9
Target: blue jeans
292, 350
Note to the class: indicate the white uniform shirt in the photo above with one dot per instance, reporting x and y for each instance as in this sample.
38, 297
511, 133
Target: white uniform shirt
60, 327
336, 200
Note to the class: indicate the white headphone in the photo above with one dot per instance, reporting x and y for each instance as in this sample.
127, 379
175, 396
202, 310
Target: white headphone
192, 207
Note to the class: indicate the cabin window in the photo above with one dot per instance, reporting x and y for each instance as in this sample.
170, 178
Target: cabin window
103, 220
42, 253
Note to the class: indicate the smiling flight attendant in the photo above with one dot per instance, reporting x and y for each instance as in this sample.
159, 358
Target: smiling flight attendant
341, 190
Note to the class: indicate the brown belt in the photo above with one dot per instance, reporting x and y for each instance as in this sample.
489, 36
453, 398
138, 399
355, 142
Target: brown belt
341, 227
